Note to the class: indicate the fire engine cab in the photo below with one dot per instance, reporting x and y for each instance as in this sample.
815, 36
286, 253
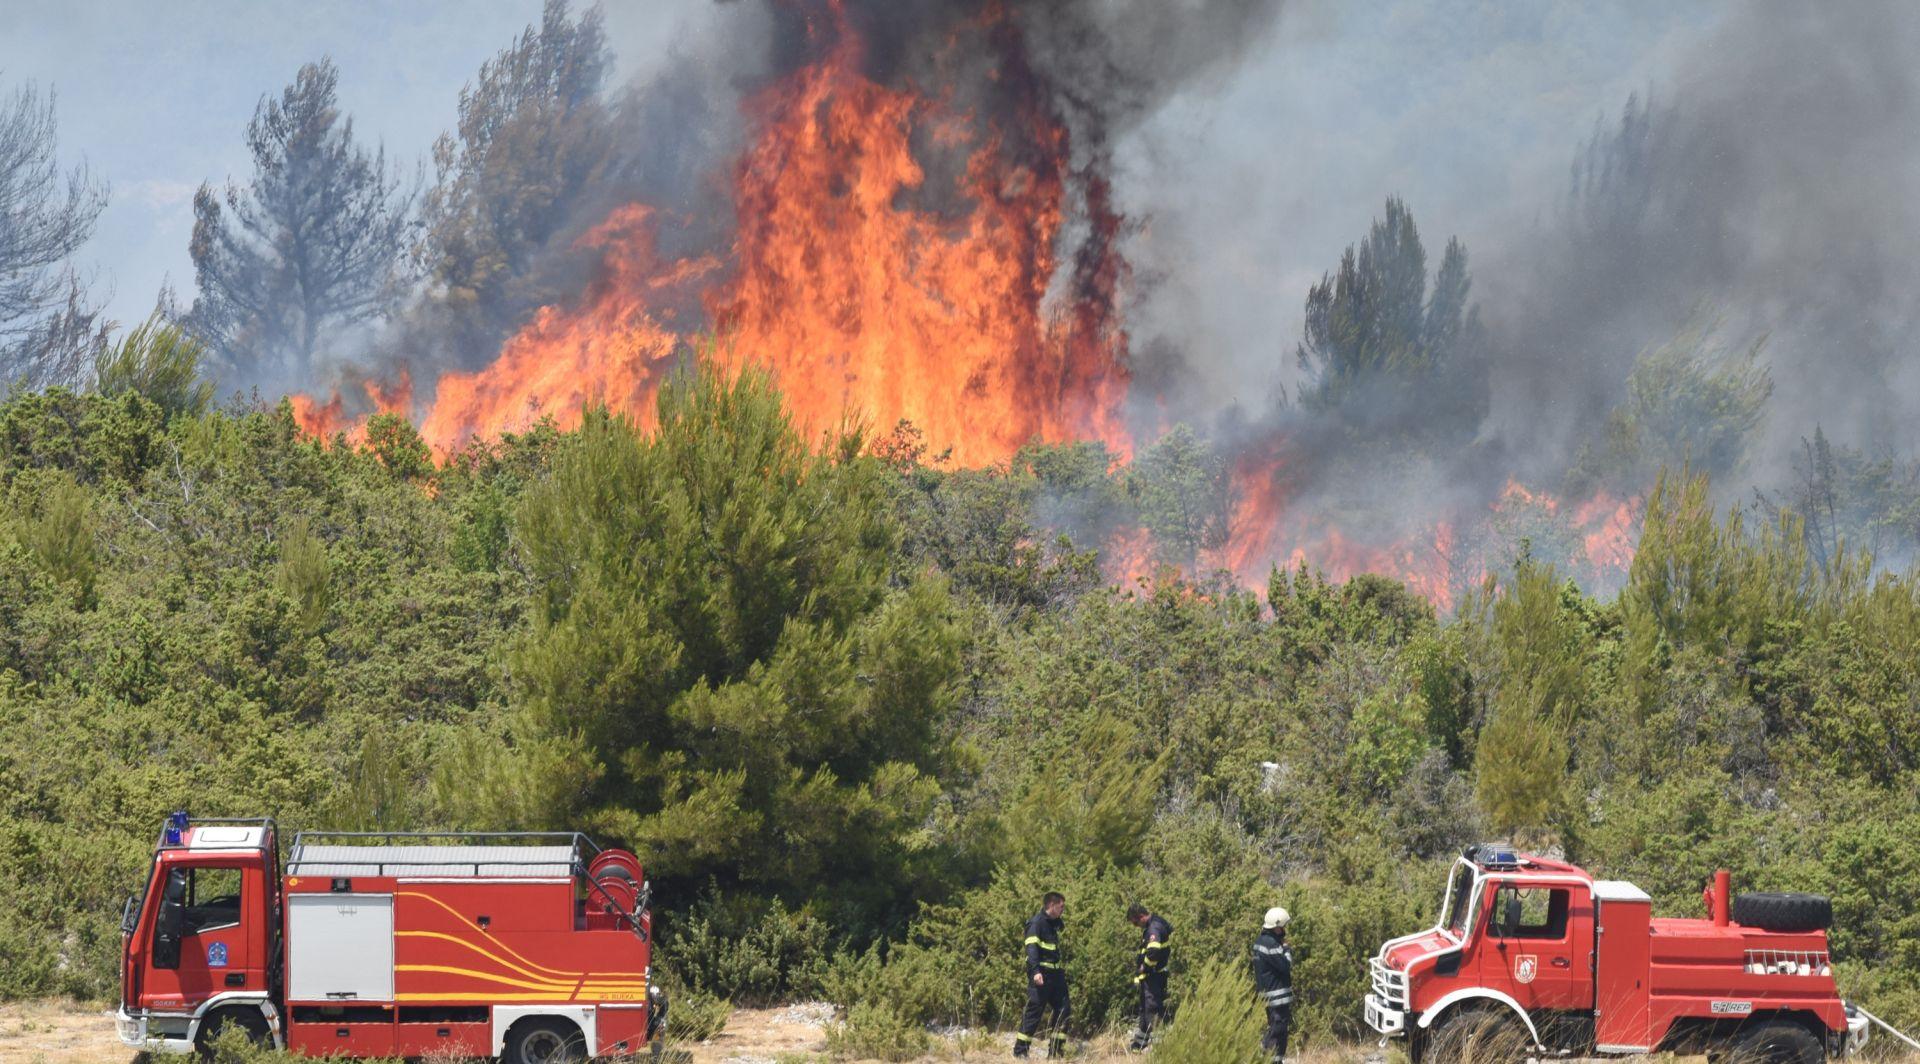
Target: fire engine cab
1536, 957
533, 947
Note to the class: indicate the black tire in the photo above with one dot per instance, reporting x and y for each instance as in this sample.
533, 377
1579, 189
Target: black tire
544, 1042
1476, 1036
1776, 1042
246, 1020
1783, 912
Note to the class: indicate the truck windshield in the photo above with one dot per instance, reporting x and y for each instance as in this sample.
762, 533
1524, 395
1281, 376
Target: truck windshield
1455, 917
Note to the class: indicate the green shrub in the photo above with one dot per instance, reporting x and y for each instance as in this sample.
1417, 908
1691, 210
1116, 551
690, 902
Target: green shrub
874, 1031
696, 1017
159, 360
1220, 1022
1339, 920
397, 444
304, 573
745, 949
59, 527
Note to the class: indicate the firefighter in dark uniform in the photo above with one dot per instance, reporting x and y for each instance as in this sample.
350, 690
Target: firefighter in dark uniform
1273, 980
1150, 970
1046, 980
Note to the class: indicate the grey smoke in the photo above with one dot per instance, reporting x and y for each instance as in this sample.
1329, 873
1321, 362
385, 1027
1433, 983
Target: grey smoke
1770, 179
1763, 171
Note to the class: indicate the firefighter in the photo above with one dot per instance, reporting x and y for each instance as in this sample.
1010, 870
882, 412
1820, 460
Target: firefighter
1273, 979
1046, 980
1150, 970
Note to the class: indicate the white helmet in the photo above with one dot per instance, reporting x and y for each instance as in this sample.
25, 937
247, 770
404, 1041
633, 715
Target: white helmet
1277, 918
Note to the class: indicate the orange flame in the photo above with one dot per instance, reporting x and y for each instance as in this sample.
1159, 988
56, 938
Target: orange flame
1609, 526
615, 351
329, 419
1439, 562
1127, 559
979, 321
859, 302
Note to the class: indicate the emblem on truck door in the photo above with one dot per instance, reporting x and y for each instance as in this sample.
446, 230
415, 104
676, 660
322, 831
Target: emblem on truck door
1525, 967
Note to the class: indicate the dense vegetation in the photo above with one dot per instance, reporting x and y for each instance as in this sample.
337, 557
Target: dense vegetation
857, 711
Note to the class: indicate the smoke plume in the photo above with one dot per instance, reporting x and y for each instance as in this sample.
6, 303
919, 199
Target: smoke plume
987, 218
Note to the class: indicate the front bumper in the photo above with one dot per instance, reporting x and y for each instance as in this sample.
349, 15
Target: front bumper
1385, 1018
1387, 1005
1858, 1031
156, 1034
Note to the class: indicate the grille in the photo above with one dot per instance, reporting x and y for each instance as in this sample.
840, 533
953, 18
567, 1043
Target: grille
1388, 985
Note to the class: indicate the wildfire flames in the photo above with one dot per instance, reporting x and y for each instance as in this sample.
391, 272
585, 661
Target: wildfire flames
331, 418
862, 303
984, 307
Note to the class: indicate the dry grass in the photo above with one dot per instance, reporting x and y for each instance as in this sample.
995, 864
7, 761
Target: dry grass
66, 1032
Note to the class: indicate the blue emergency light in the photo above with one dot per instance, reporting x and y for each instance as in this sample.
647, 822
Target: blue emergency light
1494, 855
176, 828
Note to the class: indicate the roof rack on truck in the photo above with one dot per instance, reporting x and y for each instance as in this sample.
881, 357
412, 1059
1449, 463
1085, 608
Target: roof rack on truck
476, 854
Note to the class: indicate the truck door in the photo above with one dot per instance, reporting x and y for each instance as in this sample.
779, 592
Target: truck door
203, 942
1542, 936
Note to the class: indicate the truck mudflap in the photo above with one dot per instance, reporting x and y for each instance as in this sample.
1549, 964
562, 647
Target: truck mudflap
1384, 1018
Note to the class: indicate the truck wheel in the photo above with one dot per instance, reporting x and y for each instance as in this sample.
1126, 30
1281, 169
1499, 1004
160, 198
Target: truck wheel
1476, 1036
251, 1025
1777, 1042
543, 1042
1783, 912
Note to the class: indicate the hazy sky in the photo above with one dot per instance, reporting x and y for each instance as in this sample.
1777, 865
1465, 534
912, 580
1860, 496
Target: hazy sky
155, 97
1452, 103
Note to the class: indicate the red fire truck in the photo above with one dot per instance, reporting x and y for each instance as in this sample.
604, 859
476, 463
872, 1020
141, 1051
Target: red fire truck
531, 947
1558, 962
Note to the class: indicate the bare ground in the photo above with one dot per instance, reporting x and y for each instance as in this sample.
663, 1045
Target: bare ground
67, 1032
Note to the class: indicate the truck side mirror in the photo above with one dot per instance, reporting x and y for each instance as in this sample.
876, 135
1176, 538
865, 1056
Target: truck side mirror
1510, 916
169, 920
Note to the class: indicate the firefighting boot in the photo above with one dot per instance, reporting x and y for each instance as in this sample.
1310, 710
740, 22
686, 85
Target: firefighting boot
1057, 1047
1140, 1040
1021, 1043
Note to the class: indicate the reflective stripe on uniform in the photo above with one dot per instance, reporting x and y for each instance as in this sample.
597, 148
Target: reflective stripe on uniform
1033, 940
1023, 1038
1265, 951
1277, 997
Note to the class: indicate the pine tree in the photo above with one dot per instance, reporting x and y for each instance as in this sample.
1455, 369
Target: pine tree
532, 134
724, 669
1538, 641
314, 244
1383, 354
48, 324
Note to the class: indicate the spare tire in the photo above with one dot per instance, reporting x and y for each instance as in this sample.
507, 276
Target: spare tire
1783, 912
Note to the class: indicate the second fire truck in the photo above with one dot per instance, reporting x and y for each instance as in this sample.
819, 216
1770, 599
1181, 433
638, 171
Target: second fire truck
1533, 957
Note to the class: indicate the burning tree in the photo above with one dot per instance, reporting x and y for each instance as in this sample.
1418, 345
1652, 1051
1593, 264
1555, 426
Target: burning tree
532, 137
